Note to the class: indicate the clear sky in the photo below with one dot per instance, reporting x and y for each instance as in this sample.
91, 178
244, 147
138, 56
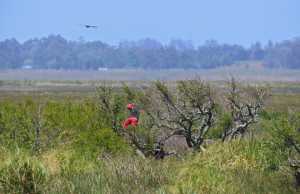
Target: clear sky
227, 21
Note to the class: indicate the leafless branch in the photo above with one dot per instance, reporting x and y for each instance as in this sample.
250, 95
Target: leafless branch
245, 105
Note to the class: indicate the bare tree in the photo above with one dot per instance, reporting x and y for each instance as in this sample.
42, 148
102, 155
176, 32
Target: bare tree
245, 104
186, 109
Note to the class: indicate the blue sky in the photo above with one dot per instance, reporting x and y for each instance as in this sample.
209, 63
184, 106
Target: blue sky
227, 21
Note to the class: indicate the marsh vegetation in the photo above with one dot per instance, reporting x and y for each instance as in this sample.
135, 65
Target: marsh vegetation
224, 138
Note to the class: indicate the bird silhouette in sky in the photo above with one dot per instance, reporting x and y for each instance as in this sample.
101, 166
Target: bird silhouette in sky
90, 26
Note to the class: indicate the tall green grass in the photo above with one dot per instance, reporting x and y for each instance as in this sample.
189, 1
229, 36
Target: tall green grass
75, 174
241, 166
23, 175
235, 167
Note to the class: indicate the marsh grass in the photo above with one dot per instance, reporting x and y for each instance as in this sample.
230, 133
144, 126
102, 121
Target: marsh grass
232, 167
236, 167
111, 175
23, 175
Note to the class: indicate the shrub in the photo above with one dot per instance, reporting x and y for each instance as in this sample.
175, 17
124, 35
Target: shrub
93, 142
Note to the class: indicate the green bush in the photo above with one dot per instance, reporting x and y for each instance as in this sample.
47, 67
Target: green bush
282, 131
92, 142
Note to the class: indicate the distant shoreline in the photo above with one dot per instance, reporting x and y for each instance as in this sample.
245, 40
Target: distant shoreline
218, 74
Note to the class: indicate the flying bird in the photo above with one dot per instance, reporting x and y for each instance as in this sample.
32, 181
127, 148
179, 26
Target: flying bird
90, 26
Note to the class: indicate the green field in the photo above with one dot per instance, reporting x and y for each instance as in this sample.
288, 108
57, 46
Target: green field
56, 138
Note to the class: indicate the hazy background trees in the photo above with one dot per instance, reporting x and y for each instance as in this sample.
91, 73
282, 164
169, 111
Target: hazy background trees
55, 52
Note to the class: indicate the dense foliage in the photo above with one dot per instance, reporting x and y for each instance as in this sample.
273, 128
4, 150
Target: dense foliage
55, 52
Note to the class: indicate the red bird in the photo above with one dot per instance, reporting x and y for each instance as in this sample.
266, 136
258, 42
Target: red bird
133, 118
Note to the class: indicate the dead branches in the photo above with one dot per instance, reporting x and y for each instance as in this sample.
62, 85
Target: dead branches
186, 110
245, 104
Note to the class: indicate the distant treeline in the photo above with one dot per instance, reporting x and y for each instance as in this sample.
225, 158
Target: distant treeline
55, 52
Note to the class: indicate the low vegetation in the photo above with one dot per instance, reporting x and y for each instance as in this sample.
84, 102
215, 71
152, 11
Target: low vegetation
236, 141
